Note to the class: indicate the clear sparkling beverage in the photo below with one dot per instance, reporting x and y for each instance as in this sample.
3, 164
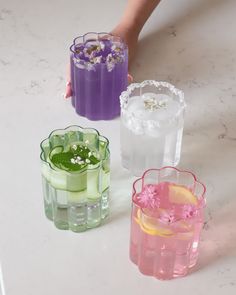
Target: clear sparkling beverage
76, 175
152, 123
166, 221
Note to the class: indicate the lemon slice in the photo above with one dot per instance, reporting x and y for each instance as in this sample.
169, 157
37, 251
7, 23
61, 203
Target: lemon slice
152, 229
181, 195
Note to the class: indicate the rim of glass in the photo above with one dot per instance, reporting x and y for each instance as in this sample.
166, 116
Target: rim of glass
107, 153
163, 168
98, 33
127, 94
88, 64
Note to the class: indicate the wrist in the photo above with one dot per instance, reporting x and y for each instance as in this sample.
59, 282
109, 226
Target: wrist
127, 29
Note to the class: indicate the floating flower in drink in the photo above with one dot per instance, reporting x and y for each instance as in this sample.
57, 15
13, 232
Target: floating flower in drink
99, 69
152, 119
166, 221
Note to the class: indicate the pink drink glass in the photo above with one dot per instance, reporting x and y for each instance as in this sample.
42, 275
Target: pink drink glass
166, 221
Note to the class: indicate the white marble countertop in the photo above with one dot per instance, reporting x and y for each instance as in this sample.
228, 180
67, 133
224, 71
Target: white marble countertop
189, 43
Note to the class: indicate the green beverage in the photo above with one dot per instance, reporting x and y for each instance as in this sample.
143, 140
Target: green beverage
76, 178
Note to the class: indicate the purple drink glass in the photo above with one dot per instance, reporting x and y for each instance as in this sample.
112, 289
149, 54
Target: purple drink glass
99, 69
72, 75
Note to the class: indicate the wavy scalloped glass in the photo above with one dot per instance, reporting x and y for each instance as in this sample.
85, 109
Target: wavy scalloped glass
76, 200
165, 249
151, 131
95, 87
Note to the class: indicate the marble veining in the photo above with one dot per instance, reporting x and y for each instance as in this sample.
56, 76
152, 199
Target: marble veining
188, 43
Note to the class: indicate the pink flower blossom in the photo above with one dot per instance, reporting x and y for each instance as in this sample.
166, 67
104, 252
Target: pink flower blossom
148, 198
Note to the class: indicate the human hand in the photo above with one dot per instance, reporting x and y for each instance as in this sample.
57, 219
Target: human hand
68, 92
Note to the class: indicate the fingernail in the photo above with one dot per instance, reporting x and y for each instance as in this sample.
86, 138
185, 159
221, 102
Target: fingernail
130, 78
66, 95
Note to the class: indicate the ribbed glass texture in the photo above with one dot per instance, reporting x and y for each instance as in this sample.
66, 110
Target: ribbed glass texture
96, 87
159, 247
152, 120
76, 200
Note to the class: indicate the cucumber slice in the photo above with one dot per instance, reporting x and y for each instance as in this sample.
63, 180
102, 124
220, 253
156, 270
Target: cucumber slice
106, 164
58, 180
77, 181
105, 180
72, 137
77, 197
90, 138
93, 183
103, 147
56, 140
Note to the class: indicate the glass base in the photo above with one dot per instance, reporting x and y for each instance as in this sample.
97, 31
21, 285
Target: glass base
166, 273
75, 216
93, 117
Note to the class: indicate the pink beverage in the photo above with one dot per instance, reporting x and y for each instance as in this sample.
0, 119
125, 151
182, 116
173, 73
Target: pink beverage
166, 221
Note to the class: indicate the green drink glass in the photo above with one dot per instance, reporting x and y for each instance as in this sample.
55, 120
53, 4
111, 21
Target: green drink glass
75, 166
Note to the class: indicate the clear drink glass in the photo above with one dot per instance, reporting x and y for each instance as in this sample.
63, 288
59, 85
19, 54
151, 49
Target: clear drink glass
166, 221
75, 166
99, 69
152, 120
2, 288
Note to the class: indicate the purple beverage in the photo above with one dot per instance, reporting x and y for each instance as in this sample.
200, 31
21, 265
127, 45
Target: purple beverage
99, 69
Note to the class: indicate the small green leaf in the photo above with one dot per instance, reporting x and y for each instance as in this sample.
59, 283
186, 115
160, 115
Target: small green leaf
74, 159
